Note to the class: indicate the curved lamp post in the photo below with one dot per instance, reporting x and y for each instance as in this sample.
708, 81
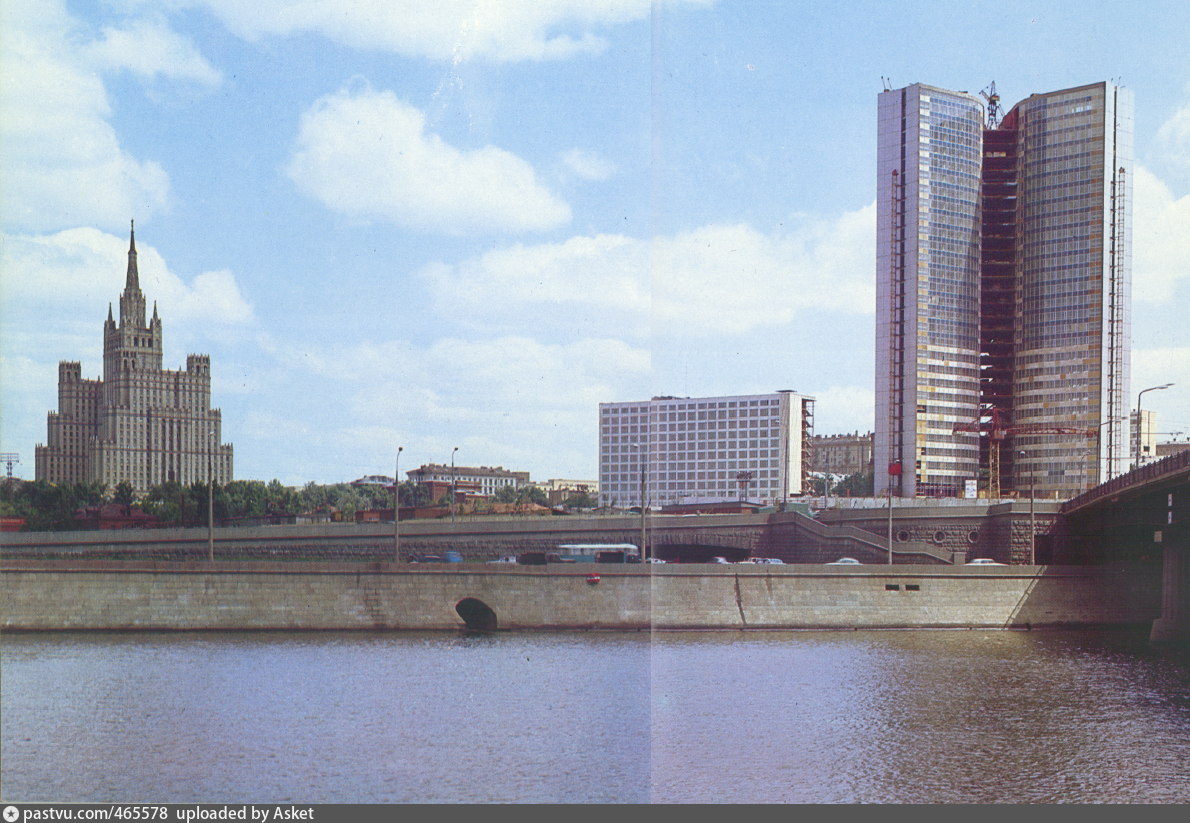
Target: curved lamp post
1136, 463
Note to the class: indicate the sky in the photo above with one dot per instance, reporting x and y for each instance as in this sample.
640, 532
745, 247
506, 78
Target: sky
466, 223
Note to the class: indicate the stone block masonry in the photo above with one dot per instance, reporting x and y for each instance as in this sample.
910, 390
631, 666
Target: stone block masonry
49, 595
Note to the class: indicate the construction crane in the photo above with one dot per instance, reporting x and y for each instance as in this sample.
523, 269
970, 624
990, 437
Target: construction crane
994, 110
10, 458
997, 432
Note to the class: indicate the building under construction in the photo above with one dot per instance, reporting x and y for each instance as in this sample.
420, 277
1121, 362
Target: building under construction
1003, 274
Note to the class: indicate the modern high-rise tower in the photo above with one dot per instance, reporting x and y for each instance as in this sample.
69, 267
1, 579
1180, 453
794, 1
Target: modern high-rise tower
1003, 290
139, 424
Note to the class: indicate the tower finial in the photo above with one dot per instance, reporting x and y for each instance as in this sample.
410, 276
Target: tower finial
132, 301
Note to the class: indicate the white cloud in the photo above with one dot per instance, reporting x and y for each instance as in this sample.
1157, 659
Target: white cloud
508, 400
588, 165
844, 409
62, 162
366, 154
603, 280
504, 31
1160, 239
712, 281
730, 279
1173, 139
75, 273
150, 48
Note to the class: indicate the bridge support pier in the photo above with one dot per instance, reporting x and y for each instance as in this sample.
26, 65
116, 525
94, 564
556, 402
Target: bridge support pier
1174, 622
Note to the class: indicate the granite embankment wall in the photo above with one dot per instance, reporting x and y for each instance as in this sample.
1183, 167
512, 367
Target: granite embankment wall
265, 595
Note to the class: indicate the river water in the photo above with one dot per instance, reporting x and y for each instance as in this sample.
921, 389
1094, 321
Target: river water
914, 716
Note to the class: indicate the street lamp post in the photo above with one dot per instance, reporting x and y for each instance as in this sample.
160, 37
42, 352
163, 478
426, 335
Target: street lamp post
397, 508
1032, 516
210, 501
1136, 463
894, 470
641, 456
889, 492
452, 484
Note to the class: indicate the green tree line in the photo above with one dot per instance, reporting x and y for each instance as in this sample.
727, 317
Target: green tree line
52, 507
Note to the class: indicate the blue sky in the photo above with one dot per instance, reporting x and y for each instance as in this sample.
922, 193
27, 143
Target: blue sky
467, 224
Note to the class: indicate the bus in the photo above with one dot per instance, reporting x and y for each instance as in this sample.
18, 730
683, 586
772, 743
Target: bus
600, 552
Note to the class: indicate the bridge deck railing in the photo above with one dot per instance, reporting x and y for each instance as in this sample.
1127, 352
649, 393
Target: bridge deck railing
1136, 477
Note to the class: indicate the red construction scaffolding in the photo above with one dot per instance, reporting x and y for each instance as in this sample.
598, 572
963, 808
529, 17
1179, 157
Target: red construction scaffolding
998, 298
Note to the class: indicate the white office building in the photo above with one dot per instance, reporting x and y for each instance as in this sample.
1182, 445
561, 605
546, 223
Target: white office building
700, 449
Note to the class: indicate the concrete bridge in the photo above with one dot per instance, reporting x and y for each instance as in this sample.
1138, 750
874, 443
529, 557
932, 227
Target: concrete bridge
1142, 517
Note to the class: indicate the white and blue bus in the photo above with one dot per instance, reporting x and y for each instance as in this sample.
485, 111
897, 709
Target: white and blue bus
600, 552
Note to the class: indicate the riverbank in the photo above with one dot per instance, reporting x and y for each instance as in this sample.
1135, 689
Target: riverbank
73, 595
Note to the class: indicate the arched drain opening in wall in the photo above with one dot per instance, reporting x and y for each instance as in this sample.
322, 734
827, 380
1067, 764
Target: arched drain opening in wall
478, 615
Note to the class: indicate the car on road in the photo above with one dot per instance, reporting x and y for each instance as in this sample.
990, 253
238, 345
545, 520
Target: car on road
983, 561
845, 561
721, 561
656, 560
508, 558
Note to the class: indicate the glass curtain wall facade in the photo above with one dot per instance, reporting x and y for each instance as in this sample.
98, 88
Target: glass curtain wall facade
928, 289
753, 447
1003, 291
1074, 276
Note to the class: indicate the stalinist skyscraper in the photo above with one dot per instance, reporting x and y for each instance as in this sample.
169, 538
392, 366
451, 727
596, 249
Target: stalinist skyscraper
139, 423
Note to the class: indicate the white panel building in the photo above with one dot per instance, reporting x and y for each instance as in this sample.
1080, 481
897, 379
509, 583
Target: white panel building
699, 449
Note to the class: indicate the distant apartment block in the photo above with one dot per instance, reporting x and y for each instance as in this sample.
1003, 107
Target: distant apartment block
1172, 447
560, 490
843, 454
696, 449
1003, 290
481, 481
1143, 445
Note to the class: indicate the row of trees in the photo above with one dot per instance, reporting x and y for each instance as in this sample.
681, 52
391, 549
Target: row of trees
52, 507
860, 484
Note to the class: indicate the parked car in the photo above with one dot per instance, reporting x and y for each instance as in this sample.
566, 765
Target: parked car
983, 561
845, 561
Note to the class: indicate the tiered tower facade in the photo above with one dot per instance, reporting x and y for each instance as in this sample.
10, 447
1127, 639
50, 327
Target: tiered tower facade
140, 423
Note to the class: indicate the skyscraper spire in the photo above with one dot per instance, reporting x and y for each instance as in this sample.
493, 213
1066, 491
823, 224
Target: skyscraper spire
132, 283
132, 301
